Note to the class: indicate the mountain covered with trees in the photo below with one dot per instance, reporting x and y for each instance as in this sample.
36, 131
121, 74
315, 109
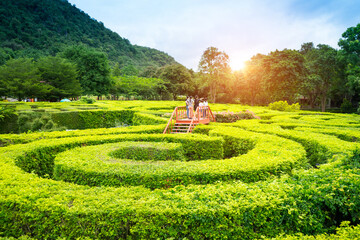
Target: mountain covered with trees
36, 28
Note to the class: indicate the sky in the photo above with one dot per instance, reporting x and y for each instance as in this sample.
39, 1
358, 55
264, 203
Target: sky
184, 29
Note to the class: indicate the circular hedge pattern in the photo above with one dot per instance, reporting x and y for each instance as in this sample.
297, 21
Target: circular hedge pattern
205, 198
92, 165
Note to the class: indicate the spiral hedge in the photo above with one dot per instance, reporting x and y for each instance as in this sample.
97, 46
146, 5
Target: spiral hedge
277, 177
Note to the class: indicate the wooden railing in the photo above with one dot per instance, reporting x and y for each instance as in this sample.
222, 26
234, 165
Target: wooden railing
191, 126
210, 114
181, 113
170, 121
202, 114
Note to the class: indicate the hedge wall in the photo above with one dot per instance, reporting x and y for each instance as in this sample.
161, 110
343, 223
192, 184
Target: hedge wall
81, 119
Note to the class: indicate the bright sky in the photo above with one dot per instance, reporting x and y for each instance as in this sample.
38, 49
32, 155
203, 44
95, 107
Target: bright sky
241, 28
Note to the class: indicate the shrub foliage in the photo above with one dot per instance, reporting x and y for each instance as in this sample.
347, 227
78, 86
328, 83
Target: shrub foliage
285, 176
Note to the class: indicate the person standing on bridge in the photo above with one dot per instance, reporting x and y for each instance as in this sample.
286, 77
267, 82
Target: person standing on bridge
187, 102
190, 107
196, 102
206, 107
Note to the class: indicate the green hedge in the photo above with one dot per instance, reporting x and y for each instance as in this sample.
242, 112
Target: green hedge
344, 232
319, 147
93, 119
9, 124
147, 151
281, 155
8, 139
147, 119
44, 208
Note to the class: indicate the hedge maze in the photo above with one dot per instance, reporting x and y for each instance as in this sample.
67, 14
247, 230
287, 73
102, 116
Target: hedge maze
284, 176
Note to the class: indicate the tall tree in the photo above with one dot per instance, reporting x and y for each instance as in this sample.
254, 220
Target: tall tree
178, 79
283, 73
61, 74
93, 69
139, 87
215, 64
323, 72
310, 87
129, 70
254, 80
350, 45
22, 79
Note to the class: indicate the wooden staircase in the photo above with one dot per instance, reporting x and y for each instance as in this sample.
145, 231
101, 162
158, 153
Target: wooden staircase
180, 123
180, 127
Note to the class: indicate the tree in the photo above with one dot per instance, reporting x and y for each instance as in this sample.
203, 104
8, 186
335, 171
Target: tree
61, 75
322, 67
93, 69
178, 79
129, 70
116, 71
306, 47
150, 72
215, 65
283, 73
350, 45
309, 86
254, 80
143, 88
22, 79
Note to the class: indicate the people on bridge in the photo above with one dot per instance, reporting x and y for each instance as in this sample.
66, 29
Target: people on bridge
192, 104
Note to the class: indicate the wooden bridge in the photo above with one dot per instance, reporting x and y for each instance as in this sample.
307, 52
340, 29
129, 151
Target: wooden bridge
180, 122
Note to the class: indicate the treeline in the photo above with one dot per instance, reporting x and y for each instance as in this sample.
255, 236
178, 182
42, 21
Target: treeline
80, 70
38, 28
76, 71
315, 76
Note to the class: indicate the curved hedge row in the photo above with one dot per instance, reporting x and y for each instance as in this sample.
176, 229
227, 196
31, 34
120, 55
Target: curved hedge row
312, 201
87, 166
38, 157
8, 139
319, 147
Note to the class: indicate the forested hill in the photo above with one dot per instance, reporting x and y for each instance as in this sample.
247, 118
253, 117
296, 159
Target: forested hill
33, 28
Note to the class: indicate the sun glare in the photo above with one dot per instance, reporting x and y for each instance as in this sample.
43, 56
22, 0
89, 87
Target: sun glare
237, 65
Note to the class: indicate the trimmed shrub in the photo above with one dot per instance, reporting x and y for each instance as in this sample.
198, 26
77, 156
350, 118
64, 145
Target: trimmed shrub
144, 151
284, 106
147, 119
8, 139
92, 119
319, 147
229, 117
344, 232
87, 100
346, 106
